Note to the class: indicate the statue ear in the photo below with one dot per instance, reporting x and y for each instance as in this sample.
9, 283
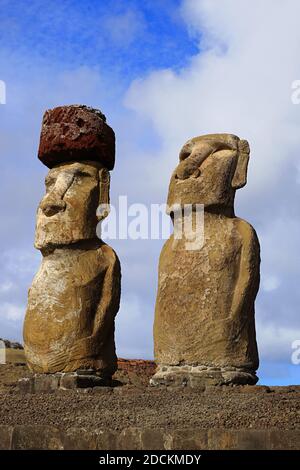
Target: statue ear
240, 175
104, 186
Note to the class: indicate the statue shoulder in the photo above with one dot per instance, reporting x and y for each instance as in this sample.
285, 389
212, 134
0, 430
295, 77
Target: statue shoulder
248, 234
109, 255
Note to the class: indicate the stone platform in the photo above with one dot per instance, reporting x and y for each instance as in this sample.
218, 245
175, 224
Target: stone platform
200, 376
47, 383
26, 437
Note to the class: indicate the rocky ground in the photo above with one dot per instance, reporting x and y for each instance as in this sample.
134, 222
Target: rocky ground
134, 403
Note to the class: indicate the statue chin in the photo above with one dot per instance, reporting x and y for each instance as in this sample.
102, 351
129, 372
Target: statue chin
45, 245
48, 246
54, 235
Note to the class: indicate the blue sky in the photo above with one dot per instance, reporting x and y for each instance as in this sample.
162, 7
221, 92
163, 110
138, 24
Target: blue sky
162, 71
122, 38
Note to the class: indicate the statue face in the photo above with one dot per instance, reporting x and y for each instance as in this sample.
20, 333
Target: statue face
67, 212
207, 169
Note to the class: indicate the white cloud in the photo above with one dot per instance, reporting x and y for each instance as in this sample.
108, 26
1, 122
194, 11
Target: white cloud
279, 239
298, 173
276, 342
125, 27
11, 312
270, 283
6, 286
240, 82
244, 89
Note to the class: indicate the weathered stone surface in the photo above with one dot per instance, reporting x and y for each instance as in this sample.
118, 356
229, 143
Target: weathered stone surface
36, 438
107, 440
77, 380
200, 376
6, 433
287, 440
45, 383
186, 439
26, 385
76, 133
225, 439
243, 439
49, 437
129, 439
80, 438
152, 439
252, 439
205, 303
49, 383
75, 295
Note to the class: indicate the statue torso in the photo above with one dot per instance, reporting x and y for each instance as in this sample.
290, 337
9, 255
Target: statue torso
195, 291
63, 300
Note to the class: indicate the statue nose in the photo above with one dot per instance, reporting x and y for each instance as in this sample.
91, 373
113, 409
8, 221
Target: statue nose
191, 161
51, 207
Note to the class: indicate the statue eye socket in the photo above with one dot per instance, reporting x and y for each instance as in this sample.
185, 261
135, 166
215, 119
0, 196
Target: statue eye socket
78, 177
82, 174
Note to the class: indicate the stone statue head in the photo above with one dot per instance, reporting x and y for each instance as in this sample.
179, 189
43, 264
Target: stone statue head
210, 170
79, 148
68, 212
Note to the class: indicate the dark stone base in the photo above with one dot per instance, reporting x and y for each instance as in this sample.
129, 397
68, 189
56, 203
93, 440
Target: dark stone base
201, 376
47, 383
43, 437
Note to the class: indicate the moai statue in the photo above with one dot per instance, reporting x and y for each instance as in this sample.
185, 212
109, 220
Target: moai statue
74, 297
204, 329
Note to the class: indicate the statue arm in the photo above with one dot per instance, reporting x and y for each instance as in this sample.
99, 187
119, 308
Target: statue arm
106, 309
110, 299
248, 276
